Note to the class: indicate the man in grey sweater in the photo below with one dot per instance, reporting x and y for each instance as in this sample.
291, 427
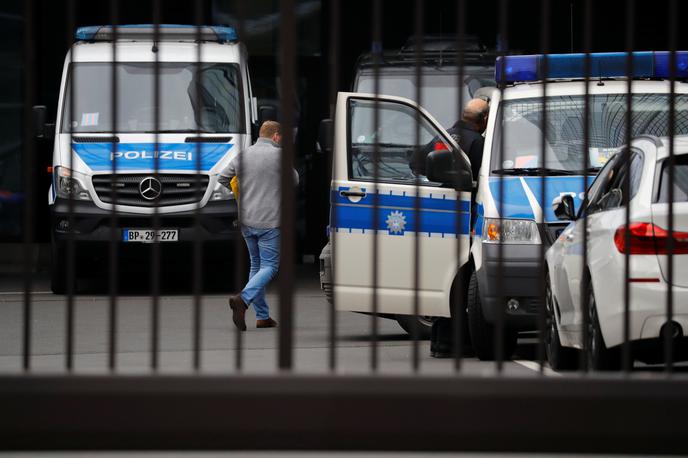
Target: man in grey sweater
258, 171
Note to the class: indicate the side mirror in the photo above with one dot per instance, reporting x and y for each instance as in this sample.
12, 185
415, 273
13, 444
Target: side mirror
441, 168
564, 208
326, 136
41, 129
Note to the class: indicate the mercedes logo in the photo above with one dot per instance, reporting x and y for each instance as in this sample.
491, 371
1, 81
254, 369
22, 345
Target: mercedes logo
150, 188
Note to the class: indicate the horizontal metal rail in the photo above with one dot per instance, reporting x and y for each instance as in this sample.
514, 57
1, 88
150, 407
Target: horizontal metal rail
287, 412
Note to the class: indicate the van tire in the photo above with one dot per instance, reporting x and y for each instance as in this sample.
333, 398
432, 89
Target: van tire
58, 268
424, 325
482, 332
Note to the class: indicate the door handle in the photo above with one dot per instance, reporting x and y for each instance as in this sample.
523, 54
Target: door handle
352, 193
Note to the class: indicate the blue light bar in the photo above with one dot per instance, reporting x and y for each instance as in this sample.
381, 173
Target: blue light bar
166, 32
646, 64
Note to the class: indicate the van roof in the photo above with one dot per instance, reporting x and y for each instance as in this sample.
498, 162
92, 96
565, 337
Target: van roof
139, 51
165, 32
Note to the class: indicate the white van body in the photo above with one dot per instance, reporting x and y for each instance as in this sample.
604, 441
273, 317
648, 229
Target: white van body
156, 159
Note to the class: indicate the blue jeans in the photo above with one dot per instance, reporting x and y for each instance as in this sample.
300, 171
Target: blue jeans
264, 250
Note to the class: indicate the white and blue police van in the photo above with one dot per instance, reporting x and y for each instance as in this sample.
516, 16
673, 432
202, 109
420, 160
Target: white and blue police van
499, 269
163, 159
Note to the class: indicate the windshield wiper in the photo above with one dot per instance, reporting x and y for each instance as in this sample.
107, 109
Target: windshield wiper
180, 131
534, 171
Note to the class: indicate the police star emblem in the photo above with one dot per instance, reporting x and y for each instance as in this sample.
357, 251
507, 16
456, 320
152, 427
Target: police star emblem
396, 223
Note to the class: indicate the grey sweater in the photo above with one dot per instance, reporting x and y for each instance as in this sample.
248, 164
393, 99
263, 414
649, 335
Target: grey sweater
258, 170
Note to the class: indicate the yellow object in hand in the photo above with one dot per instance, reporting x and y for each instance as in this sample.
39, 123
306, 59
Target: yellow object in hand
234, 184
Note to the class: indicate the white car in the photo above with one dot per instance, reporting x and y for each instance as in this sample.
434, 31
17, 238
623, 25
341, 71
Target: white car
604, 302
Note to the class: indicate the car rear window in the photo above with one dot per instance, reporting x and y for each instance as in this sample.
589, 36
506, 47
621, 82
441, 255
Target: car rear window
680, 180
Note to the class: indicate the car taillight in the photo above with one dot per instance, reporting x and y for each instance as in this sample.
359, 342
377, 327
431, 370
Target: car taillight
647, 238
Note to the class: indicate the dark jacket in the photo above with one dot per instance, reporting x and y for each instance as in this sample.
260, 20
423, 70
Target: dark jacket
470, 141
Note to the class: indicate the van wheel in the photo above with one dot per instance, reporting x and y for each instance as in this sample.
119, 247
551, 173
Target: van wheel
560, 358
482, 332
600, 358
58, 268
424, 324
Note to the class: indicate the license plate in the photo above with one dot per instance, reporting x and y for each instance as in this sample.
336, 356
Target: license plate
150, 235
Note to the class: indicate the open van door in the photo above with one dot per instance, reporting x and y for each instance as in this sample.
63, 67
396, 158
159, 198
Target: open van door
382, 189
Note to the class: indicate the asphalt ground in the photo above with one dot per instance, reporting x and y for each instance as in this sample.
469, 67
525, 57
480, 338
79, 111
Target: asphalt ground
259, 347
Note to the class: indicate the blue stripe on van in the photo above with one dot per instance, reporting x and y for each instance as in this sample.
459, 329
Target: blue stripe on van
346, 215
141, 156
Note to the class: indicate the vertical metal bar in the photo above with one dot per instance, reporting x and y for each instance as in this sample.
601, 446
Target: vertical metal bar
287, 102
500, 328
458, 299
240, 272
376, 49
627, 363
585, 283
114, 236
334, 86
668, 338
415, 331
544, 45
155, 261
29, 171
71, 254
197, 243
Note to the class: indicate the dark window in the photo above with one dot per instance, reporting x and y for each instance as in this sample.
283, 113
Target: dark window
680, 180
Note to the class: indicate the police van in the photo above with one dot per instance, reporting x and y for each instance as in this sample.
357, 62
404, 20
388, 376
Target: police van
499, 268
163, 159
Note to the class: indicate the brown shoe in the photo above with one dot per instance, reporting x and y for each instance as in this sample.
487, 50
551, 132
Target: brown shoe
238, 306
269, 323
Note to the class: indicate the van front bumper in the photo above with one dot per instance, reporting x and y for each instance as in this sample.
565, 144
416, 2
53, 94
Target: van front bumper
520, 279
217, 222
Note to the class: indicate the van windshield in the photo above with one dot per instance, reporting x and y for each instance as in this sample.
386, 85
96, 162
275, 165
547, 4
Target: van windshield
193, 97
439, 94
522, 127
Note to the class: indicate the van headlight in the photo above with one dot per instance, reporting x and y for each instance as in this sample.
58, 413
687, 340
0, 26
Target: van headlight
71, 184
220, 191
497, 230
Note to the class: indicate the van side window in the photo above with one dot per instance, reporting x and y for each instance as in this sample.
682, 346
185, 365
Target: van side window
398, 139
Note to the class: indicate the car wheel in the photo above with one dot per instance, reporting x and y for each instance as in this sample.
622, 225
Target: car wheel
424, 324
600, 358
482, 332
560, 358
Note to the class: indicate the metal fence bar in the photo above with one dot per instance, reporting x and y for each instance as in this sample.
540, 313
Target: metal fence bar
240, 268
376, 49
198, 266
500, 328
287, 102
626, 361
668, 338
542, 293
156, 255
468, 413
585, 279
114, 233
457, 301
29, 160
415, 331
335, 10
71, 246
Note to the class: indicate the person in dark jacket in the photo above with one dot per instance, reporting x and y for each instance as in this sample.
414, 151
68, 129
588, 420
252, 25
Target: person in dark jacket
468, 134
